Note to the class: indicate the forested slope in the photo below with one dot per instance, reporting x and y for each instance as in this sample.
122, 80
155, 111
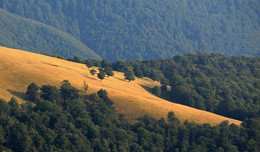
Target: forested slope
64, 120
228, 86
148, 29
26, 34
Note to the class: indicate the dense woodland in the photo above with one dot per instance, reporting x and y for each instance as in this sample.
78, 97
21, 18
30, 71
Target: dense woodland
137, 29
228, 86
62, 119
26, 34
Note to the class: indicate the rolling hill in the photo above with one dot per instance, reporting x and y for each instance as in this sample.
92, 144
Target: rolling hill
22, 33
20, 68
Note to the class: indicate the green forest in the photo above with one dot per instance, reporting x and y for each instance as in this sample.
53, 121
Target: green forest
229, 86
205, 54
62, 119
136, 29
26, 34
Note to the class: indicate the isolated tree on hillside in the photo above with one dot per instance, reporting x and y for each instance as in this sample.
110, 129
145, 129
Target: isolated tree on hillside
129, 74
109, 71
93, 72
32, 91
101, 75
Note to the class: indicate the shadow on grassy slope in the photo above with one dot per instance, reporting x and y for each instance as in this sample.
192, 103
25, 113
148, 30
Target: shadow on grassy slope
17, 94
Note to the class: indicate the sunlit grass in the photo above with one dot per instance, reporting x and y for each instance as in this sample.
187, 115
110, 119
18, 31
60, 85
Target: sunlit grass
20, 68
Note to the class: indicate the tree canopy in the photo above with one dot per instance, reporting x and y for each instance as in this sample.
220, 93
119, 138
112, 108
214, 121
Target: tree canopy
91, 123
129, 74
131, 29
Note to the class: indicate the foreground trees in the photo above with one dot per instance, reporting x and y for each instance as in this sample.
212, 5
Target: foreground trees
91, 123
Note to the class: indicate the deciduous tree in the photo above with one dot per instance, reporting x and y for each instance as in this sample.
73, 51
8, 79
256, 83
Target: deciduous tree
109, 71
129, 74
93, 72
32, 91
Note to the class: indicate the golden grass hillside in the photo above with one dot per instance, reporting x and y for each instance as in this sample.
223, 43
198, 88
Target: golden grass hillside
19, 68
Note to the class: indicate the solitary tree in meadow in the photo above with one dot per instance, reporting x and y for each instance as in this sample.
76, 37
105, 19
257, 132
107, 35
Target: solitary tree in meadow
93, 72
101, 75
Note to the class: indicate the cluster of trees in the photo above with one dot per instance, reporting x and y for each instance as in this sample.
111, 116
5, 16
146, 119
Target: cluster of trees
106, 68
64, 120
136, 29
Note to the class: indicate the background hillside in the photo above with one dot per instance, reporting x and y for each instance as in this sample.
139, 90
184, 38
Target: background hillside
26, 34
137, 29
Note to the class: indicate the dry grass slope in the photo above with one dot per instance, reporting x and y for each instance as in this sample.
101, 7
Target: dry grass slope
19, 68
